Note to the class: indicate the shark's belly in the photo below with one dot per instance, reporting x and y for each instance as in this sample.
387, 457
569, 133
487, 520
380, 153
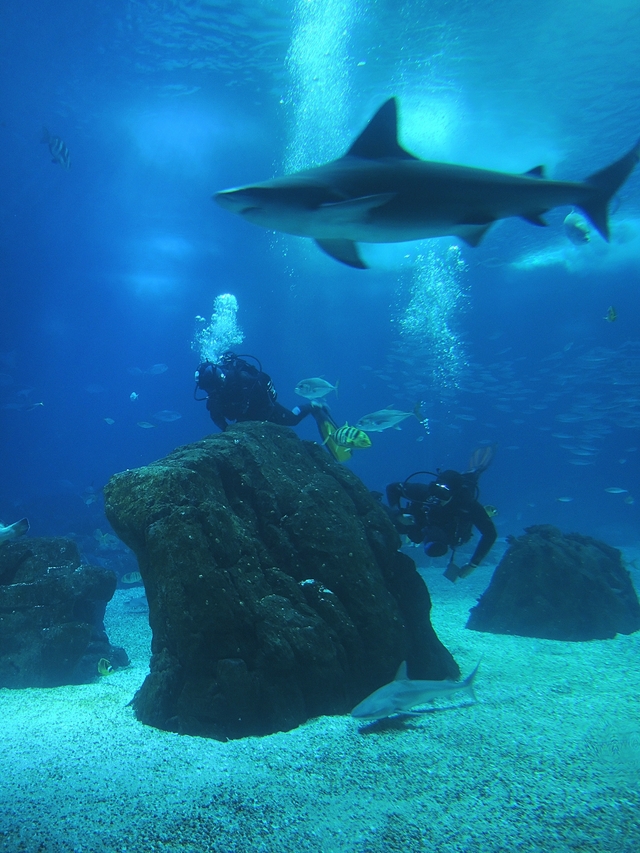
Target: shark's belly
423, 202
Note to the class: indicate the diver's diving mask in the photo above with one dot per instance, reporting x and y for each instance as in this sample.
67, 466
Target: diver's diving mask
440, 493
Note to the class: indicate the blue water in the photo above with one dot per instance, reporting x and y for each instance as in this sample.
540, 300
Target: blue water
105, 266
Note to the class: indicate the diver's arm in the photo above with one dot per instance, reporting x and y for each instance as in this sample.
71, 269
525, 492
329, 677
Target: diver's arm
418, 492
213, 406
287, 417
488, 533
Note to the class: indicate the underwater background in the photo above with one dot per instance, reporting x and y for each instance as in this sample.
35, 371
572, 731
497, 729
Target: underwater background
107, 264
118, 122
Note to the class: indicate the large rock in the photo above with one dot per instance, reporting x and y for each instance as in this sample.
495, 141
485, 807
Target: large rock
276, 589
51, 615
559, 587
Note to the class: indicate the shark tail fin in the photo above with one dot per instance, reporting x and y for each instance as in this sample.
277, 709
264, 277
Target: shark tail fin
605, 185
18, 528
467, 684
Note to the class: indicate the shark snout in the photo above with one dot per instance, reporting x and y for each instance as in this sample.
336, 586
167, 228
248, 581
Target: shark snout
237, 201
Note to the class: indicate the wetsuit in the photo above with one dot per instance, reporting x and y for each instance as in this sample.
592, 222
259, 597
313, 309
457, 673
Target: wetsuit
238, 391
441, 527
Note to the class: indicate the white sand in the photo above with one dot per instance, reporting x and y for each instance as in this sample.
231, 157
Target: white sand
547, 760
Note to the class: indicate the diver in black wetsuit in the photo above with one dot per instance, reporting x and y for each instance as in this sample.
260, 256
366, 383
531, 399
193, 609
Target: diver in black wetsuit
239, 391
442, 515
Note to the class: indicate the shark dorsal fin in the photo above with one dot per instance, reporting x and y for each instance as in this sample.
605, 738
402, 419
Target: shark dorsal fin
380, 137
536, 172
401, 674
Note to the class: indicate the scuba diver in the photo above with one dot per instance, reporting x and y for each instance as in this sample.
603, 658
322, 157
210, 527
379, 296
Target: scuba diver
239, 391
442, 514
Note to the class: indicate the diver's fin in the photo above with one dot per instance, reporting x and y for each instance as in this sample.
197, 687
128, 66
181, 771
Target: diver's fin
481, 458
344, 251
340, 454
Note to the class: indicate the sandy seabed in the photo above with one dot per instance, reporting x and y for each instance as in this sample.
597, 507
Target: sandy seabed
548, 759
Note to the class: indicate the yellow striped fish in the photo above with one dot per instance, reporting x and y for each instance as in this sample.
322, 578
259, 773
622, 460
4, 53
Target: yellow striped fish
351, 437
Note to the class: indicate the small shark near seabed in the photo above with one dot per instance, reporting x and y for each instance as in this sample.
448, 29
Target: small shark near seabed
403, 694
12, 531
380, 193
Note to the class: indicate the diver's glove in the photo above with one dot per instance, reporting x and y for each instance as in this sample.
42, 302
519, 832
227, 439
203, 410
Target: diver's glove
454, 573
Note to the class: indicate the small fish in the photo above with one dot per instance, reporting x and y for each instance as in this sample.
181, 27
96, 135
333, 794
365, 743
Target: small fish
22, 406
612, 315
58, 150
106, 541
350, 437
629, 499
109, 421
615, 490
403, 693
490, 510
167, 416
104, 667
131, 577
146, 425
314, 389
388, 418
157, 369
13, 531
564, 500
577, 228
133, 396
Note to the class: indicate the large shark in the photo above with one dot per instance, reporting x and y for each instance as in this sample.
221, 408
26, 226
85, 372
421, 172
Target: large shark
403, 693
380, 193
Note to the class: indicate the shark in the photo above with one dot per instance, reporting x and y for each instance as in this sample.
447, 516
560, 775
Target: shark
379, 192
13, 531
402, 694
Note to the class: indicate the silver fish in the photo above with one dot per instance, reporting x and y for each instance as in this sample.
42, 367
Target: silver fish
386, 419
167, 416
315, 388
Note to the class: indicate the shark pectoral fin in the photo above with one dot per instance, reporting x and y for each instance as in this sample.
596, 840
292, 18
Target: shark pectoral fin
344, 251
354, 209
472, 234
534, 219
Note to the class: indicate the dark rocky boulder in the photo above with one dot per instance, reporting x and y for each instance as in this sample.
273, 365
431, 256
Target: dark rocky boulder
559, 587
276, 590
51, 615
